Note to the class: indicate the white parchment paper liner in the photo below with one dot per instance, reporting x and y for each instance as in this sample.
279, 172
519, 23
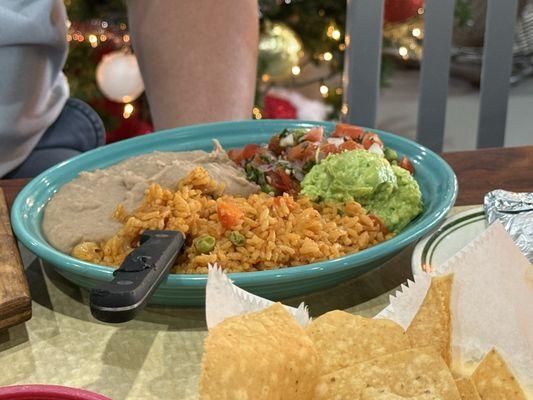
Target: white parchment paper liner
492, 302
223, 299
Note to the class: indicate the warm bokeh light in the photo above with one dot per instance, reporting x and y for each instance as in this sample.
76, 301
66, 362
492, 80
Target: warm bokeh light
328, 56
128, 110
296, 70
93, 40
257, 113
324, 90
344, 109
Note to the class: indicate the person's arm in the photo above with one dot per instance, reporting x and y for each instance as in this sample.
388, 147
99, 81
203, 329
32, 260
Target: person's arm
197, 57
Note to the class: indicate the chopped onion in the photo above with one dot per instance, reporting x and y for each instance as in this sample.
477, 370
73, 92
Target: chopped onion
317, 155
287, 141
337, 141
376, 149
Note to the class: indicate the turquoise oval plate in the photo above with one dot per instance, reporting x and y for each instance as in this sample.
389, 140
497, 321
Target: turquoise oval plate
435, 177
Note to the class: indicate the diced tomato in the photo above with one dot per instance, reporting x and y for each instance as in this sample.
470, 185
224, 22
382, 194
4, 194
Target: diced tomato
250, 150
370, 138
280, 181
350, 145
351, 131
310, 152
235, 155
295, 153
229, 214
405, 163
273, 144
257, 160
329, 148
285, 178
315, 134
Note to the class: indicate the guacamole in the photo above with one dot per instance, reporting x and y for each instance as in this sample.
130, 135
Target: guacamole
383, 189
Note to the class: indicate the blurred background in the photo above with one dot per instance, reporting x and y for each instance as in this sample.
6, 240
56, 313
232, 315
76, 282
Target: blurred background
300, 67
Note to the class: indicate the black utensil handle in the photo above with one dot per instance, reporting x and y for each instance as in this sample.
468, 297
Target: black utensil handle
137, 278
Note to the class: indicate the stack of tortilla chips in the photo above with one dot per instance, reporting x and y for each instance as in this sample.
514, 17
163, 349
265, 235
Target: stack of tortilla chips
267, 355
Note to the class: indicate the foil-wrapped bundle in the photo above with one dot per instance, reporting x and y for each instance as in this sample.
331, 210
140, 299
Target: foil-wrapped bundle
515, 211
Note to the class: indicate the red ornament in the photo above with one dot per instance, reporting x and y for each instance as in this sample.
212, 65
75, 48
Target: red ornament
401, 10
278, 108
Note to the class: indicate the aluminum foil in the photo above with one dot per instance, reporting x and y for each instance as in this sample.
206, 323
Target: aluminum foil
515, 211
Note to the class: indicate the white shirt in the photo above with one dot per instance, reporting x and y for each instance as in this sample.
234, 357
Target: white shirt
33, 89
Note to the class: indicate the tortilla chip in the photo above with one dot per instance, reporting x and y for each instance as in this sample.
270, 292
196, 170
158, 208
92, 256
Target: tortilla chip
406, 373
262, 355
343, 339
493, 380
383, 394
467, 390
432, 323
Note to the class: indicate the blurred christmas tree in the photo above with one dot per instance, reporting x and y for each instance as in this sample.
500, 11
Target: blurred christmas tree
301, 50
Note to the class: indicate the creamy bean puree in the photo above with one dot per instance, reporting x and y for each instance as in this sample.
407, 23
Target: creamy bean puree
82, 209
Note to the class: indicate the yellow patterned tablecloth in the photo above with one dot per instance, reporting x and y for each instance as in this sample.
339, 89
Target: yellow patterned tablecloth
156, 356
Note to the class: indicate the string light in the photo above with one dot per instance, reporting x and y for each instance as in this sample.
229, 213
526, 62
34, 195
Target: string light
342, 47
416, 32
265, 77
128, 110
99, 31
333, 32
338, 91
344, 109
420, 11
93, 40
296, 70
257, 113
328, 56
324, 90
402, 51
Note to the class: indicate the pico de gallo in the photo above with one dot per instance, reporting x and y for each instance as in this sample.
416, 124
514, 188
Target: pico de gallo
281, 165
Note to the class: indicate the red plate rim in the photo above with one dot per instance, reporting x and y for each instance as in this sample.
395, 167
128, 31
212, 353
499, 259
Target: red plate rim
47, 392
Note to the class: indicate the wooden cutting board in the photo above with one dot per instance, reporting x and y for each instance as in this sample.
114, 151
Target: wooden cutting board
15, 300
